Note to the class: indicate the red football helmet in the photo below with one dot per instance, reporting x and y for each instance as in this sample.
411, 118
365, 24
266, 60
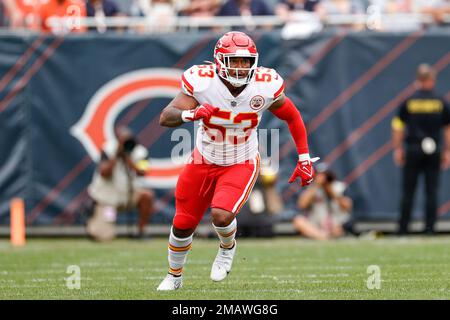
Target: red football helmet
235, 44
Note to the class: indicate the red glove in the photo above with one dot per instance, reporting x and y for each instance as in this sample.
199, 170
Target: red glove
203, 111
304, 170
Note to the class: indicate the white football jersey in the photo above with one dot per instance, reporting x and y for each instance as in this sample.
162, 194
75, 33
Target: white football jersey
230, 136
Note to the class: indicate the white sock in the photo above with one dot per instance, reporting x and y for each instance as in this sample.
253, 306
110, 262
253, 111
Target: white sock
227, 234
178, 250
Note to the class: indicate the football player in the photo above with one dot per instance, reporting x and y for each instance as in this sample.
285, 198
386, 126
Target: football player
228, 98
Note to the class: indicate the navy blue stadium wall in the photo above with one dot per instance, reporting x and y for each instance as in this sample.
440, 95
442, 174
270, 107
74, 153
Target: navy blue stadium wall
61, 97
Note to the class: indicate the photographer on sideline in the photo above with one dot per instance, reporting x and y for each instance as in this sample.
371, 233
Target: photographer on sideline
114, 186
327, 209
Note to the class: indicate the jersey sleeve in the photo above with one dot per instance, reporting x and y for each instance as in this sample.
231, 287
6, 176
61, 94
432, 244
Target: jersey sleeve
398, 122
278, 86
197, 79
270, 83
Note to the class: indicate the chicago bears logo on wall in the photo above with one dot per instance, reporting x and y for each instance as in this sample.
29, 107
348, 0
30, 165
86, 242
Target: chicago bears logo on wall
97, 122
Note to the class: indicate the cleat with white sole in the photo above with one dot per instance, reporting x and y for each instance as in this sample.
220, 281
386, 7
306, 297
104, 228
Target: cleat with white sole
222, 264
170, 283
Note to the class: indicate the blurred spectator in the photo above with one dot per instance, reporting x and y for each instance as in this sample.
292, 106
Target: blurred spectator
180, 5
436, 8
416, 137
284, 8
202, 8
11, 13
299, 17
160, 15
100, 9
342, 7
2, 15
23, 13
389, 15
53, 12
393, 6
378, 8
246, 9
115, 186
326, 207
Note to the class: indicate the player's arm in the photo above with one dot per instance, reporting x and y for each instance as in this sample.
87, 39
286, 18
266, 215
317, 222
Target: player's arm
171, 116
398, 135
284, 109
447, 138
446, 150
184, 108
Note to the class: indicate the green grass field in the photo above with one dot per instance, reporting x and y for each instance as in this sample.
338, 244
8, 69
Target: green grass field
279, 268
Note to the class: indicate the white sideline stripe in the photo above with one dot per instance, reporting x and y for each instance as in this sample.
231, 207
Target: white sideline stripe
255, 169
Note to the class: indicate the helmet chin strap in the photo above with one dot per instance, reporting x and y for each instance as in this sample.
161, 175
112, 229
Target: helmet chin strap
235, 84
235, 81
224, 73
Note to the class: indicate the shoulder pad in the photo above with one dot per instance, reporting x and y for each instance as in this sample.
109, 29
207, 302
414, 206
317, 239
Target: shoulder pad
270, 82
197, 78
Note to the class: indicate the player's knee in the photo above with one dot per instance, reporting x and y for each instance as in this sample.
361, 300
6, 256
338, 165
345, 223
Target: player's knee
182, 233
184, 224
221, 218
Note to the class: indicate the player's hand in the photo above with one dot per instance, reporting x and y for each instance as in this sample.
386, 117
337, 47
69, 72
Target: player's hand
304, 170
203, 111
